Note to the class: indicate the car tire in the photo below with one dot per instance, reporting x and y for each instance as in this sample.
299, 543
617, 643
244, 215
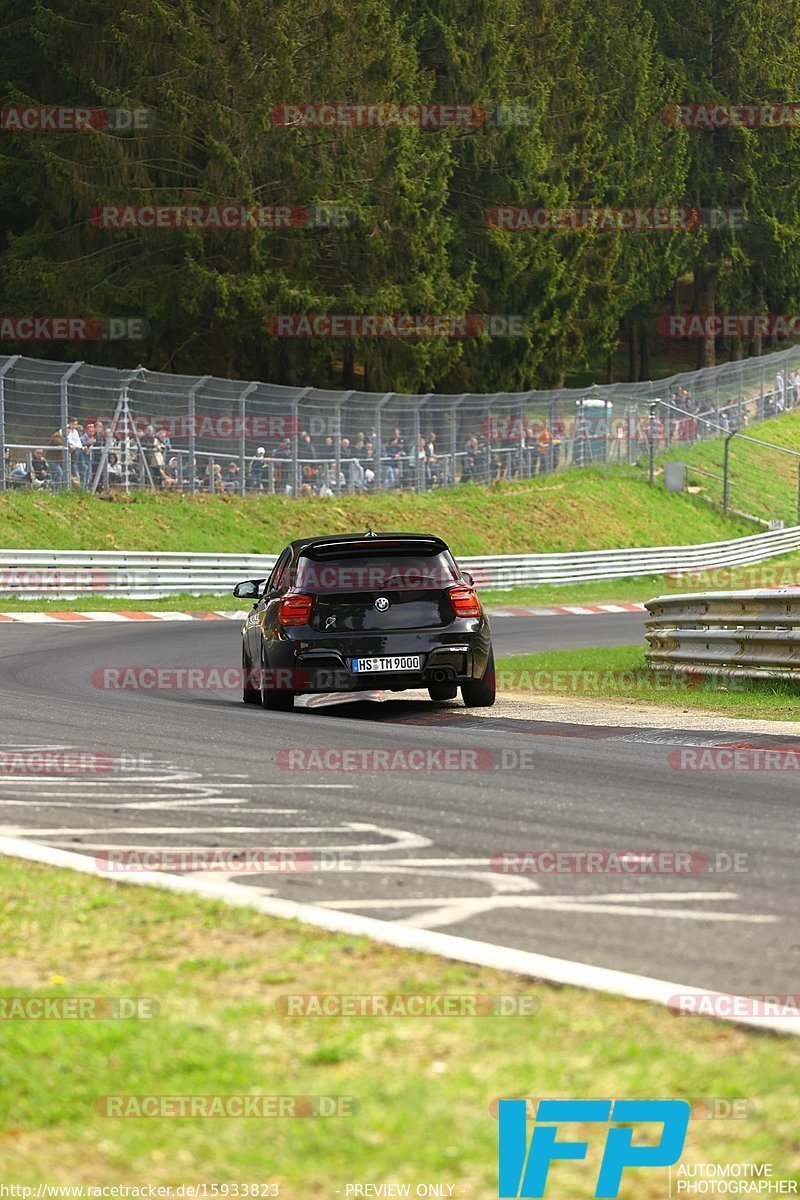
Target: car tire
250, 695
277, 701
480, 693
442, 691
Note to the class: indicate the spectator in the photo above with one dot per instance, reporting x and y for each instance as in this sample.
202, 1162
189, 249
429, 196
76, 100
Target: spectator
40, 469
114, 470
779, 397
55, 459
212, 480
283, 454
166, 444
469, 465
87, 462
369, 466
257, 468
231, 477
75, 447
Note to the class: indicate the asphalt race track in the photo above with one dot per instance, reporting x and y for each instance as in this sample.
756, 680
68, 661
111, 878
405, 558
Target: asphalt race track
197, 768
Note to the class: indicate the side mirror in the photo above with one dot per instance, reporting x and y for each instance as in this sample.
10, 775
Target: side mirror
468, 578
249, 590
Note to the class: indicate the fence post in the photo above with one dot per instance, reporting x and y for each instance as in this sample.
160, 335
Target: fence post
243, 421
64, 391
419, 463
725, 459
454, 435
193, 390
6, 367
379, 439
651, 426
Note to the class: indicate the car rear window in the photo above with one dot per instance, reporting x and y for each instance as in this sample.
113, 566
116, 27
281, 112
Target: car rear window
370, 571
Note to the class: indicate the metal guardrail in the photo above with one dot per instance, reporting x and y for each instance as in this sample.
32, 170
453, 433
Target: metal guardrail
750, 634
71, 573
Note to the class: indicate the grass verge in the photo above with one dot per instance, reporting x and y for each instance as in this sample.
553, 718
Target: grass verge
621, 673
217, 973
763, 480
596, 508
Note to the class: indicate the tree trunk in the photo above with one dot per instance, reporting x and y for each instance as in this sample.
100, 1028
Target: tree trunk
704, 304
644, 351
633, 351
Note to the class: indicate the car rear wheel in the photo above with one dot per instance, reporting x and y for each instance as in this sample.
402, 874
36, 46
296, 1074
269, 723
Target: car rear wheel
442, 691
480, 693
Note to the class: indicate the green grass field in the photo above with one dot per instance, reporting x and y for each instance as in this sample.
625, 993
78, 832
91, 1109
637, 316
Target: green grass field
621, 673
764, 481
598, 508
424, 1085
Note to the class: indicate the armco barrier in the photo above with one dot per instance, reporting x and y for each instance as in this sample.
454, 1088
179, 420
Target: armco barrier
71, 573
754, 634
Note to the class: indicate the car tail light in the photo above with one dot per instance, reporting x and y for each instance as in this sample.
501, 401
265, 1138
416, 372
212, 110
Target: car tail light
465, 602
295, 609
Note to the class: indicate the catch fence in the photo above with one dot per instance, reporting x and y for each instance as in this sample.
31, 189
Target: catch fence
148, 429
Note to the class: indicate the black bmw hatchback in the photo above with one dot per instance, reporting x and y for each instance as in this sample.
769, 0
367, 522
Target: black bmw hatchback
375, 610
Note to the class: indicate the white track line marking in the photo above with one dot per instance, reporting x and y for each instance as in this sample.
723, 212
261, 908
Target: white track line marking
423, 941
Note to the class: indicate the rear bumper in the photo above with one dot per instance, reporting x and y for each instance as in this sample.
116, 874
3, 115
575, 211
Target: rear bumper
323, 662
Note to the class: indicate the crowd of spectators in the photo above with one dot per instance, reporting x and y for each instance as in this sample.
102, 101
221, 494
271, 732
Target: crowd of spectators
144, 456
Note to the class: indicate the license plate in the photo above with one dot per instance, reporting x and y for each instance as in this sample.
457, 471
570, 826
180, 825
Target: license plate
398, 662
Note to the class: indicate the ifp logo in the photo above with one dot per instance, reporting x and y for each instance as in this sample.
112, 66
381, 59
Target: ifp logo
523, 1171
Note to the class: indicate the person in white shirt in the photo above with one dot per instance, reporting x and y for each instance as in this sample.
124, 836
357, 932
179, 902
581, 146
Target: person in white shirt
779, 402
75, 447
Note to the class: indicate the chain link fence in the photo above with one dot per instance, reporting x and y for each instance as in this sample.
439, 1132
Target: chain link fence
74, 425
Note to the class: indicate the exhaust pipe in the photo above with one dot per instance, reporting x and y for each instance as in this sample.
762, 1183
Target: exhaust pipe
438, 676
